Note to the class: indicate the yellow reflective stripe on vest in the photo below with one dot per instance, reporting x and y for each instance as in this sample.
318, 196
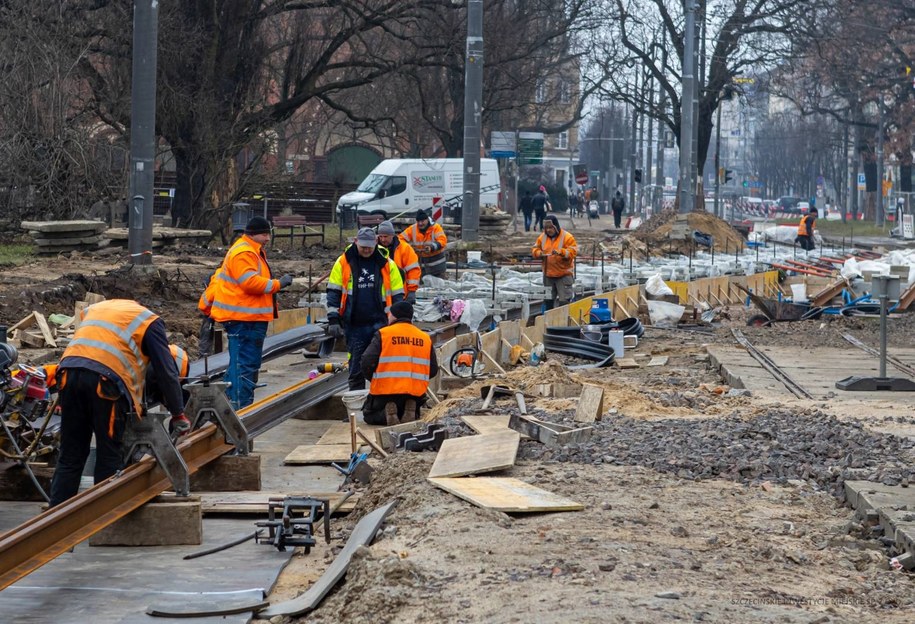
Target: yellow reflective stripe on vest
404, 359
401, 375
243, 309
104, 346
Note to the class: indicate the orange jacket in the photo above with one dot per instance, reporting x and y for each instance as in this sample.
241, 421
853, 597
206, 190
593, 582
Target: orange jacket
404, 363
244, 290
558, 253
408, 262
111, 333
805, 227
429, 245
182, 361
50, 375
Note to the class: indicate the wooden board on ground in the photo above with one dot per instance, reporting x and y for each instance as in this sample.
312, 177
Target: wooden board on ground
506, 494
485, 424
476, 454
319, 454
627, 363
240, 503
339, 433
590, 404
658, 361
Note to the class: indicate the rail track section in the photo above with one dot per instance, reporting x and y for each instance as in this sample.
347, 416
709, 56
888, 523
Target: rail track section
899, 364
796, 389
34, 543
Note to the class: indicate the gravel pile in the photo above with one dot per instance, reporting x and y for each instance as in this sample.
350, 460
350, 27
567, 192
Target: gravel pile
777, 446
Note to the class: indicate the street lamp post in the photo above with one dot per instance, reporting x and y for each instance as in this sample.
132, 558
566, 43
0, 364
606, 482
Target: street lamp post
473, 117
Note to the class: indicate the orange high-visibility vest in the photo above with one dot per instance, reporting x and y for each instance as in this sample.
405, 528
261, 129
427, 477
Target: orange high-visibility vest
408, 262
432, 257
404, 364
803, 228
205, 303
111, 333
50, 376
556, 265
245, 289
182, 361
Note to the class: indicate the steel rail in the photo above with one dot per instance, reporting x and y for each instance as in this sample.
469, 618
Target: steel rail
39, 540
773, 368
899, 364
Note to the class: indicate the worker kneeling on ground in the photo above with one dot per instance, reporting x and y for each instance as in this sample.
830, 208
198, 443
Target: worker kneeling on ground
102, 377
400, 361
557, 248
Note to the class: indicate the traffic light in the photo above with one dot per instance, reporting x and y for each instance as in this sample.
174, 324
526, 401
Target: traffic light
637, 175
728, 175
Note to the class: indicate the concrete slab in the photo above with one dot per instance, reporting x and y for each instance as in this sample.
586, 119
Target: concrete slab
894, 505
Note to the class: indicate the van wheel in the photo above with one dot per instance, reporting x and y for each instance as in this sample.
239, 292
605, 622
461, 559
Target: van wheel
380, 213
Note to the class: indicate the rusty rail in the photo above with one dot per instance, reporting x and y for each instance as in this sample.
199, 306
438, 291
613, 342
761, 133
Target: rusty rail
39, 540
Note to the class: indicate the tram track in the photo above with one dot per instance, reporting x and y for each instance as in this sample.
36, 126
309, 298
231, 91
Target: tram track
769, 364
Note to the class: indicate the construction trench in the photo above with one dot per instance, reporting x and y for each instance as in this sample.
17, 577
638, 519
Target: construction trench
690, 477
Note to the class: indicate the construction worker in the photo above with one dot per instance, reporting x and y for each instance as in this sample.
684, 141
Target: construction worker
429, 240
805, 230
557, 249
400, 361
363, 285
182, 363
102, 377
403, 256
244, 301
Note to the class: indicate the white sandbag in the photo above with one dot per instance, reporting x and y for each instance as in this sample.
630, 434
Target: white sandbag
656, 286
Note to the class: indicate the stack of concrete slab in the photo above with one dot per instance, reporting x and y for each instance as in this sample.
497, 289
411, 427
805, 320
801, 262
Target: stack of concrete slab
53, 237
493, 225
163, 237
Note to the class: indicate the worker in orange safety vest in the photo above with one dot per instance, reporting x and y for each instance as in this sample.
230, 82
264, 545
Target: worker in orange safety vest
400, 361
429, 241
557, 249
244, 302
403, 256
805, 230
102, 377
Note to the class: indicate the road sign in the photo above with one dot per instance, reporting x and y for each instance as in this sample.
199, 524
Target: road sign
530, 148
862, 182
581, 174
502, 145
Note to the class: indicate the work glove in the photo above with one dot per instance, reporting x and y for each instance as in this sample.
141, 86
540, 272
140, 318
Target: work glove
410, 297
179, 426
537, 253
333, 328
285, 281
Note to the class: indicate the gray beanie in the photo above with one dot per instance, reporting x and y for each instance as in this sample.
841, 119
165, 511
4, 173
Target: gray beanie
386, 228
366, 237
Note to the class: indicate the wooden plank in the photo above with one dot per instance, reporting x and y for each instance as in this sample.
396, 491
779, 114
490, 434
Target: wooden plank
45, 330
590, 404
484, 424
370, 442
319, 454
505, 494
549, 434
627, 363
339, 433
476, 454
92, 297
248, 502
23, 324
362, 535
658, 361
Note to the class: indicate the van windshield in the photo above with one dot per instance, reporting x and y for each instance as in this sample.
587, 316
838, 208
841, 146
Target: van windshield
372, 183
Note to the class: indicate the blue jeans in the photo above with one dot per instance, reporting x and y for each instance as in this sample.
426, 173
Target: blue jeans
358, 338
246, 348
528, 220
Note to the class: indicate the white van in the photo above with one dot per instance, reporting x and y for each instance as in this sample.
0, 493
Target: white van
399, 187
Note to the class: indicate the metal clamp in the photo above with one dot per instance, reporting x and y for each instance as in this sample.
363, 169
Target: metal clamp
295, 524
148, 434
208, 401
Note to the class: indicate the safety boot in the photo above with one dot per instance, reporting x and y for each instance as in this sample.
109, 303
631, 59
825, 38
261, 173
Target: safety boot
390, 413
409, 411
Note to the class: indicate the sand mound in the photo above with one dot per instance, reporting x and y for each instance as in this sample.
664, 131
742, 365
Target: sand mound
656, 229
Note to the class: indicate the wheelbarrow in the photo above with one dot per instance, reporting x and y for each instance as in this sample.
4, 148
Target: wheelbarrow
773, 310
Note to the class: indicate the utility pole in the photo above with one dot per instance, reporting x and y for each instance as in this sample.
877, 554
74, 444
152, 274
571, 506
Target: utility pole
142, 131
633, 142
718, 161
687, 104
473, 118
662, 131
880, 217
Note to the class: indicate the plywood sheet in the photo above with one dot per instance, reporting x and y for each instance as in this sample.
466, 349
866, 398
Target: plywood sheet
505, 494
591, 404
484, 424
338, 433
239, 503
476, 454
319, 454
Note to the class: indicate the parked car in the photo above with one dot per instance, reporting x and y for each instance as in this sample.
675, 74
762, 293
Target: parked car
803, 207
788, 204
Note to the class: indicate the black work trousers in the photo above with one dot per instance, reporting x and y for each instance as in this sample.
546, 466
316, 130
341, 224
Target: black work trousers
90, 403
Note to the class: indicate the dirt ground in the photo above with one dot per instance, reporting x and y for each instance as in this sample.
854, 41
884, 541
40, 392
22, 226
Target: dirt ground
650, 545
